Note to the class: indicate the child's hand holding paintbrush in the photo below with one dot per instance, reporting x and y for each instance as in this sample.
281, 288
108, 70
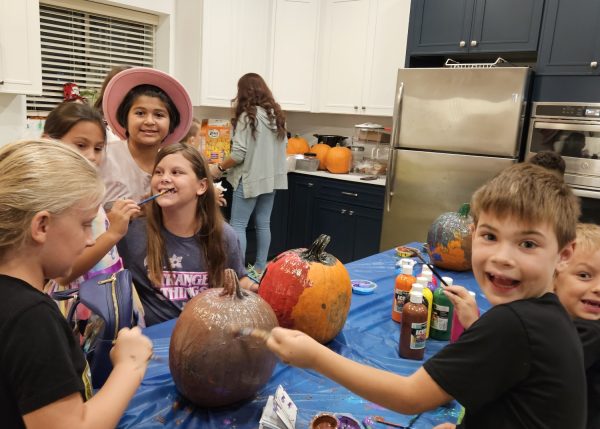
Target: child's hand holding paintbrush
465, 305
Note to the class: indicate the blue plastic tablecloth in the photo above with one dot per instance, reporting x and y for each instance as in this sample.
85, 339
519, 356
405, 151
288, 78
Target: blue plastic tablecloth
369, 336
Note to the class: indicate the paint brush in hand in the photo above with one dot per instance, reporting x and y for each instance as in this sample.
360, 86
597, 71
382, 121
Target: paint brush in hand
152, 197
252, 332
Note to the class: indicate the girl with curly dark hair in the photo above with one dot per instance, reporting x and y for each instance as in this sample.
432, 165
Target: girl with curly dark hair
256, 166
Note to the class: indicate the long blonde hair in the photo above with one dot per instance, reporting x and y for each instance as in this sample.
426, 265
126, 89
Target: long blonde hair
37, 175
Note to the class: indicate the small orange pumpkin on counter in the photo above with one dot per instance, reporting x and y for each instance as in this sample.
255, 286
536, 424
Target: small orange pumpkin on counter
297, 145
338, 160
321, 149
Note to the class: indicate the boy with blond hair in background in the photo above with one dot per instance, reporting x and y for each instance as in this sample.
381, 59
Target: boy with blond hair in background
578, 288
520, 365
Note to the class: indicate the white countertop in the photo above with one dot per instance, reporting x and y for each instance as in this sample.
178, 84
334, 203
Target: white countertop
348, 177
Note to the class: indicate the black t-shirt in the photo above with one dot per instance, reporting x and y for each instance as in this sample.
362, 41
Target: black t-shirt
589, 333
519, 366
40, 359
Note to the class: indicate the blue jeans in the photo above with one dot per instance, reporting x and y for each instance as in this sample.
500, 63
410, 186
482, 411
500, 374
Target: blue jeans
241, 210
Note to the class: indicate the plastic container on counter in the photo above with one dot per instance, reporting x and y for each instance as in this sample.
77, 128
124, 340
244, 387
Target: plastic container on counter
307, 162
358, 155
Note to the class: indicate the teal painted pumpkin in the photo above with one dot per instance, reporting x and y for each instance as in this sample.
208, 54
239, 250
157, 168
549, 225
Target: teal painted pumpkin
449, 240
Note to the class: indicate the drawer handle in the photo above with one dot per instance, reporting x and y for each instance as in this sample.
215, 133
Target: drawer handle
350, 194
343, 211
351, 212
310, 184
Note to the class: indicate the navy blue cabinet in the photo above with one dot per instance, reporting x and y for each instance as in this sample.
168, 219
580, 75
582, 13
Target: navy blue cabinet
351, 213
474, 26
570, 41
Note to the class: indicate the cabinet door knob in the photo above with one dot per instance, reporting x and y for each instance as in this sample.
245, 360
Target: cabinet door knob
350, 194
462, 44
355, 107
363, 107
351, 212
473, 43
310, 184
594, 64
342, 211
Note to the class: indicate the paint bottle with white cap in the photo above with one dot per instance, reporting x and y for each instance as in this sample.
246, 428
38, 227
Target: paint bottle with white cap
414, 327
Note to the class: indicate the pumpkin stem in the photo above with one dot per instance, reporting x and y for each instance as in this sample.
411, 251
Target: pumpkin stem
231, 285
316, 252
464, 210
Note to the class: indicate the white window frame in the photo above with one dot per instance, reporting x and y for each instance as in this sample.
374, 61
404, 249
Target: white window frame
82, 40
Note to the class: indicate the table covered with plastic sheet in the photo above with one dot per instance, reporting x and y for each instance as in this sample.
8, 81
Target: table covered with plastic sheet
370, 336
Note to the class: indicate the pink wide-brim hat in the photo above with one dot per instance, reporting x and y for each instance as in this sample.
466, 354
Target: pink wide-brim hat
125, 81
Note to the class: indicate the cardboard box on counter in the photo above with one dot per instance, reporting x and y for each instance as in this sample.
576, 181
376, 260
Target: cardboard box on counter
215, 139
373, 136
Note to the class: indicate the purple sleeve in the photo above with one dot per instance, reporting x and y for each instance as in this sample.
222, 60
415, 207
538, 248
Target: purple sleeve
235, 259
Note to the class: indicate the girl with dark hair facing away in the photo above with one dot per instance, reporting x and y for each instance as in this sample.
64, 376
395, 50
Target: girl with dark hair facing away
183, 244
256, 166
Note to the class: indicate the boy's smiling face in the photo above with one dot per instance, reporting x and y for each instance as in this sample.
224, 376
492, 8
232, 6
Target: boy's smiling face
513, 260
578, 284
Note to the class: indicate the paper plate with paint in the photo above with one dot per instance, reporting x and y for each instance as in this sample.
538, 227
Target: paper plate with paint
363, 287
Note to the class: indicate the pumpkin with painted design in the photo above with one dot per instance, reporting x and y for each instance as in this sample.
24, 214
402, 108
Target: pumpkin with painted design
309, 290
449, 240
210, 365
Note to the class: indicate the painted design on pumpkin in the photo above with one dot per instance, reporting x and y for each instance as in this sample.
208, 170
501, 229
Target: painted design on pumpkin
449, 240
210, 366
309, 290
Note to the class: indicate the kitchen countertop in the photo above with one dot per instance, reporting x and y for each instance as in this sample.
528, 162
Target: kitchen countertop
347, 177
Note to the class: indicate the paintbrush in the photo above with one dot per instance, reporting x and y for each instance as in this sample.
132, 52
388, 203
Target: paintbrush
433, 270
252, 332
152, 197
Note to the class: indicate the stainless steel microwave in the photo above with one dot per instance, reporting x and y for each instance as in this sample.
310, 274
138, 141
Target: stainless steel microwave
573, 131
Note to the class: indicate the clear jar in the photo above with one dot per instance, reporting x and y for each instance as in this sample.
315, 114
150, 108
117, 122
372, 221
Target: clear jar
358, 155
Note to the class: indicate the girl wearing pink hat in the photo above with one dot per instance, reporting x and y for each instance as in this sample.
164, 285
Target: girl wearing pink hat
148, 109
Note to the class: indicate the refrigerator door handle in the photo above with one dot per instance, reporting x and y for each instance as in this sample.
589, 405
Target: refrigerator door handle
390, 180
396, 118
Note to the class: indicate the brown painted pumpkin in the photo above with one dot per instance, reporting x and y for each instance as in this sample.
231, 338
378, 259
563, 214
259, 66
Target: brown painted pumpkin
449, 240
297, 145
309, 290
209, 364
338, 160
321, 149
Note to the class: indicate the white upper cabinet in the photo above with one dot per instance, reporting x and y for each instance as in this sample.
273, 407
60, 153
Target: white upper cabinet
294, 53
20, 47
236, 39
363, 45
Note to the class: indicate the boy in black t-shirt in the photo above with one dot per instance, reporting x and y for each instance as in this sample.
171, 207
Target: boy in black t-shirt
578, 287
520, 365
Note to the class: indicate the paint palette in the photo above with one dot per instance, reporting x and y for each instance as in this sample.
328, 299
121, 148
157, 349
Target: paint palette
363, 287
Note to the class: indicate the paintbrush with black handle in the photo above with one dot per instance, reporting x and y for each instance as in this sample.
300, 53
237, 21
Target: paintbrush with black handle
433, 270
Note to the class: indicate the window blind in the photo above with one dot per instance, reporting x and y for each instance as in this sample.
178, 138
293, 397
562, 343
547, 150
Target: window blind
81, 47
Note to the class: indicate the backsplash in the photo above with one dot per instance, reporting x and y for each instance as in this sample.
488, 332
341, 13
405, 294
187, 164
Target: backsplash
306, 124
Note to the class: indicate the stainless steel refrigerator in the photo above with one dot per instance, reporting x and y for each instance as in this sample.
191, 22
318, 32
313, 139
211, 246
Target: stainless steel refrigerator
453, 130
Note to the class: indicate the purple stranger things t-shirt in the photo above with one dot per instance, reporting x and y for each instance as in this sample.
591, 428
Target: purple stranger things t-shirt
189, 276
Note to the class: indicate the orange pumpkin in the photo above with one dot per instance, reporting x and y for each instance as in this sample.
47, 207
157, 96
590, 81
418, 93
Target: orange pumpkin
309, 290
338, 160
321, 149
449, 240
297, 145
